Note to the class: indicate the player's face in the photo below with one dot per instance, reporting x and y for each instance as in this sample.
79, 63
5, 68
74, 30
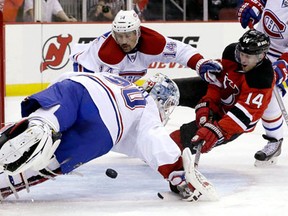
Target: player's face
127, 41
248, 62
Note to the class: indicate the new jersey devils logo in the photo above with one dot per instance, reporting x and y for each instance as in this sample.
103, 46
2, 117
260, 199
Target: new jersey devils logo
231, 90
56, 48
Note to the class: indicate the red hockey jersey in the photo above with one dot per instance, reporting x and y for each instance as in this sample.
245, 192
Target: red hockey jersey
243, 97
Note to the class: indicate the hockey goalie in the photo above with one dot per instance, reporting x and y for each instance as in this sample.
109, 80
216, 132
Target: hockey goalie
84, 116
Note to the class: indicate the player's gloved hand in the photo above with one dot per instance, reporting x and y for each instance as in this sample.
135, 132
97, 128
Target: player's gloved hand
179, 185
281, 70
176, 177
203, 113
250, 11
211, 134
208, 69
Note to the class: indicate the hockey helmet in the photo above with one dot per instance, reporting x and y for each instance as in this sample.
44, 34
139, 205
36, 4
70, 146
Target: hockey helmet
126, 21
165, 93
253, 42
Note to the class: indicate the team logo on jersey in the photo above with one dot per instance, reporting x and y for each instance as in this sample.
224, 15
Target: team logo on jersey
285, 3
273, 26
231, 90
132, 56
55, 52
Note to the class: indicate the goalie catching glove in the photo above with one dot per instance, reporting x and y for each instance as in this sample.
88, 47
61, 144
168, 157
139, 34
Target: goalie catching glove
28, 144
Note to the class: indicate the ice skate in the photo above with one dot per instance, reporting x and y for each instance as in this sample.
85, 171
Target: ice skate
269, 154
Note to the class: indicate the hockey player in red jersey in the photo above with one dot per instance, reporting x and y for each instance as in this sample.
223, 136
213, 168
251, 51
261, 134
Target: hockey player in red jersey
234, 106
271, 18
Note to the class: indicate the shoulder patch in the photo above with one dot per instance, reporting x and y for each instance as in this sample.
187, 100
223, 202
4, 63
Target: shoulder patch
262, 76
151, 42
110, 52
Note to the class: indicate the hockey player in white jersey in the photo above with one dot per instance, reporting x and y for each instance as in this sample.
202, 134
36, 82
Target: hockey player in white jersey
271, 18
130, 48
82, 117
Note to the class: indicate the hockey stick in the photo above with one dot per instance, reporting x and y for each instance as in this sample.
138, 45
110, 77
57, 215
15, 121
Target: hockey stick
197, 155
281, 104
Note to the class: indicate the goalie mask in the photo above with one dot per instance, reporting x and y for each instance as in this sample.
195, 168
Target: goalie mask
165, 93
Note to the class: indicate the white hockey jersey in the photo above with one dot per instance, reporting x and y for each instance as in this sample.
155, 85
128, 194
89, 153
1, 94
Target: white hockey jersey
110, 113
274, 23
105, 55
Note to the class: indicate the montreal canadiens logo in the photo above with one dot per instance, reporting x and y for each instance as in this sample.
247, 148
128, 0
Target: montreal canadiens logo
55, 52
273, 26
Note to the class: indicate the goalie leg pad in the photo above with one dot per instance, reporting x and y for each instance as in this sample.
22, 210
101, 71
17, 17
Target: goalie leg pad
28, 144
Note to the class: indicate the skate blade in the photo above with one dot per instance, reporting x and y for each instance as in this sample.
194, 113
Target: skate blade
270, 162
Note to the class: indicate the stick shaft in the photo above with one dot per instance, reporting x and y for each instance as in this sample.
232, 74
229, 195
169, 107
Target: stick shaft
197, 155
281, 104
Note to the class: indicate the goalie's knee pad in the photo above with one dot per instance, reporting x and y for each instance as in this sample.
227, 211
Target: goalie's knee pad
28, 144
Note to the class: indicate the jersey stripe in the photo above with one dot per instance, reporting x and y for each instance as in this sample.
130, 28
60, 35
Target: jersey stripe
242, 117
114, 104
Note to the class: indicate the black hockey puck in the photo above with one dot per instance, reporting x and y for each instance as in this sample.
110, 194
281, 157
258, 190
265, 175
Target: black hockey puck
160, 195
111, 173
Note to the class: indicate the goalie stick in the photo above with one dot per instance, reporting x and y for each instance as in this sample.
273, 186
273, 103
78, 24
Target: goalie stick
195, 177
197, 155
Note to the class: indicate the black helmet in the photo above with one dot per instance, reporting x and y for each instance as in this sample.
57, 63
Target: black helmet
253, 42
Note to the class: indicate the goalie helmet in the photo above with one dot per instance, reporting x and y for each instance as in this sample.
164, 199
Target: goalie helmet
253, 42
165, 93
28, 144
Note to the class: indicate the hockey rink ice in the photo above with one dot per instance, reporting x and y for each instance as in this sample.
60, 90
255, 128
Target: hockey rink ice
243, 188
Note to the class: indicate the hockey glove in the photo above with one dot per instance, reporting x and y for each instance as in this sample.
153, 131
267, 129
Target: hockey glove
211, 134
203, 112
208, 69
250, 11
280, 67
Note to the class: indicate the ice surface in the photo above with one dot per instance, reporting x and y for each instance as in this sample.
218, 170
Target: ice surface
243, 188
